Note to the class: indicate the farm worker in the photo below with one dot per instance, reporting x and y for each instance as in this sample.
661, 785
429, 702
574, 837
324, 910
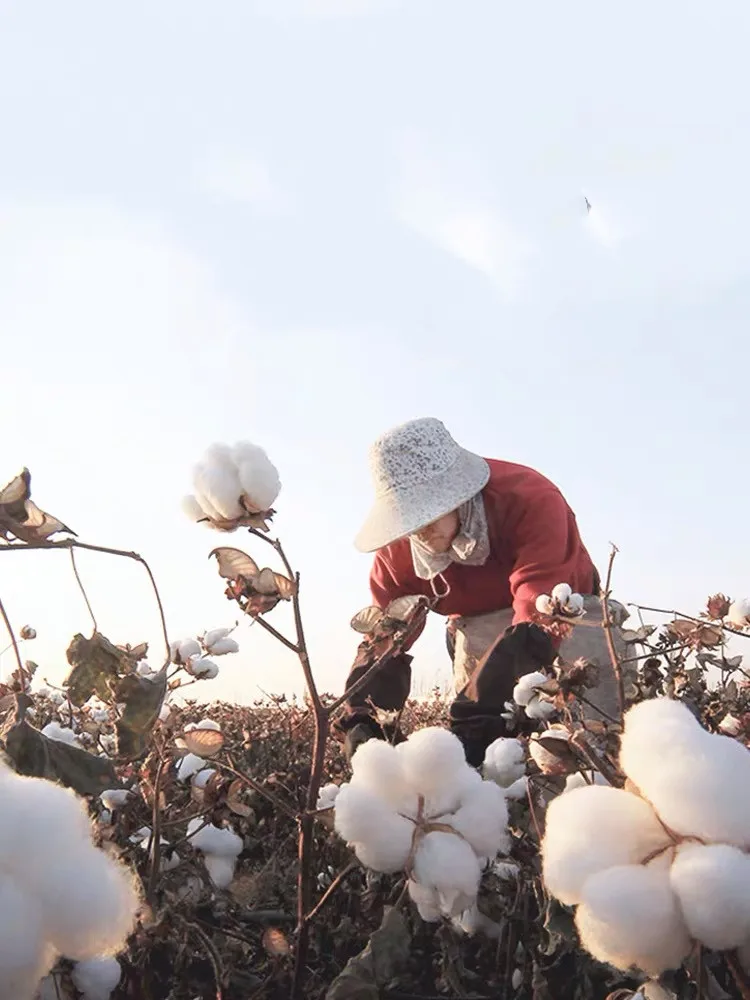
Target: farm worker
484, 538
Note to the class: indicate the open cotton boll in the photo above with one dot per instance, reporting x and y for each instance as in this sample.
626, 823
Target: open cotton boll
388, 845
378, 767
219, 841
218, 481
25, 956
518, 790
54, 731
739, 612
327, 796
202, 778
89, 903
526, 688
258, 475
183, 650
220, 870
591, 829
189, 765
689, 775
538, 708
545, 605
215, 635
504, 761
358, 812
562, 592
431, 758
203, 668
97, 978
192, 509
482, 820
426, 900
115, 798
223, 647
630, 917
581, 780
443, 801
448, 864
205, 724
712, 883
31, 809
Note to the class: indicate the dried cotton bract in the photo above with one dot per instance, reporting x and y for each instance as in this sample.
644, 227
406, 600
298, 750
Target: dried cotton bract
653, 875
64, 895
419, 807
233, 487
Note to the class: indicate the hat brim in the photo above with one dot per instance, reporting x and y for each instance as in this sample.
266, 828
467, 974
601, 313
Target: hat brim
403, 512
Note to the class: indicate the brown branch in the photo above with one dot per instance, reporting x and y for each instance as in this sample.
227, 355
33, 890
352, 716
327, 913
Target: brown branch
154, 846
275, 801
213, 956
13, 640
607, 624
691, 618
81, 587
340, 878
738, 974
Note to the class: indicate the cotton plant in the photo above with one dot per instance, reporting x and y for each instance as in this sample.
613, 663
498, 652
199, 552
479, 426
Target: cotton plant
419, 808
194, 655
62, 896
661, 864
233, 486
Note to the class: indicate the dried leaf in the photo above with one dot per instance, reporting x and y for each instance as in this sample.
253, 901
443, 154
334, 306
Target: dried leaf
680, 629
268, 582
632, 636
21, 518
275, 943
717, 606
143, 697
387, 951
204, 742
37, 756
367, 620
97, 664
234, 563
235, 802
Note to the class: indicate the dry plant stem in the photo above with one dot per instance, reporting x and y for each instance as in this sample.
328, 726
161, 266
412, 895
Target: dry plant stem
275, 801
738, 974
690, 618
69, 544
213, 957
616, 666
81, 587
13, 640
340, 878
154, 845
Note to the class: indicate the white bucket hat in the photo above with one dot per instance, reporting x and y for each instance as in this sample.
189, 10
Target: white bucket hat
419, 474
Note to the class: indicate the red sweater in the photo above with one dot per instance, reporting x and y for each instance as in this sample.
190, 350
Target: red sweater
534, 544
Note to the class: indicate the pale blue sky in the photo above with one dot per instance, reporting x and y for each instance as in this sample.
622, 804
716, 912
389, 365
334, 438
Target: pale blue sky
300, 222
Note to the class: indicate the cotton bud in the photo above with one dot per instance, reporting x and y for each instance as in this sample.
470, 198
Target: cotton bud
562, 593
504, 762
97, 978
545, 605
739, 613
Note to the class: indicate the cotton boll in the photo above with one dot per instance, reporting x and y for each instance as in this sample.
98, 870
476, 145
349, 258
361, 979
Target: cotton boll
115, 798
220, 870
207, 724
144, 669
579, 780
482, 820
327, 796
189, 765
739, 613
574, 604
518, 790
378, 767
31, 808
526, 687
97, 978
203, 668
562, 593
210, 839
184, 650
24, 954
357, 813
164, 712
192, 509
432, 757
388, 846
222, 647
630, 917
215, 635
444, 801
89, 903
504, 761
592, 829
426, 901
694, 785
258, 475
202, 778
712, 883
218, 482
545, 605
54, 731
447, 863
540, 709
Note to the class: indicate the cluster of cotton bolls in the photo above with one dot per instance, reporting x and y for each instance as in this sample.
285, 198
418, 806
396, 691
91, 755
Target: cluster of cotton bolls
562, 601
663, 863
194, 655
418, 807
60, 895
231, 483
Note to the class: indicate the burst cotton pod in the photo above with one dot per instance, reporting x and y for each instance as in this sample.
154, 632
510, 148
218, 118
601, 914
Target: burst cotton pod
689, 775
504, 762
712, 883
589, 830
630, 917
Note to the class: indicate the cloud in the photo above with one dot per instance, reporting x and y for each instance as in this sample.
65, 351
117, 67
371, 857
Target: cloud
240, 178
445, 201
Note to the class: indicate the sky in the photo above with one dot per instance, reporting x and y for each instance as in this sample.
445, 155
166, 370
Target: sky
301, 222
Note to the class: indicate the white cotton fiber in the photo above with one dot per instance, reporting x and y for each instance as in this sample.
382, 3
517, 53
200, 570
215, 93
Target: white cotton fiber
432, 757
582, 779
220, 869
359, 814
216, 480
562, 593
223, 647
526, 687
24, 953
189, 765
545, 605
448, 864
327, 796
518, 790
192, 508
539, 709
630, 917
483, 820
202, 778
54, 731
388, 846
689, 775
215, 635
591, 829
504, 762
712, 883
258, 476
739, 613
205, 724
221, 842
379, 767
426, 900
203, 668
97, 978
115, 798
